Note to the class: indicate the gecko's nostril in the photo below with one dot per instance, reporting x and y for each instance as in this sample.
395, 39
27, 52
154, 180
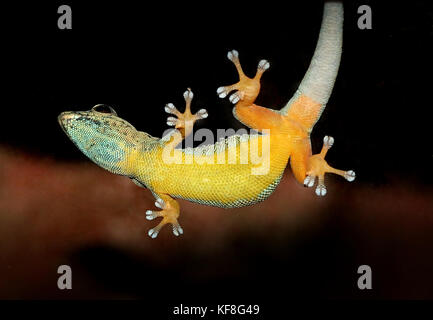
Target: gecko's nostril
69, 115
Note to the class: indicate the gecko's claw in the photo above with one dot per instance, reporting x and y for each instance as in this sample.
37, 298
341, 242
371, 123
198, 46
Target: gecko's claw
309, 181
150, 215
188, 95
263, 65
328, 142
177, 230
159, 203
233, 55
171, 121
153, 233
350, 175
223, 91
170, 108
236, 97
201, 114
321, 190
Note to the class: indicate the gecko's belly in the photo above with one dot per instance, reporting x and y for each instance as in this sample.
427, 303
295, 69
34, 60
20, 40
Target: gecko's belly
221, 186
223, 175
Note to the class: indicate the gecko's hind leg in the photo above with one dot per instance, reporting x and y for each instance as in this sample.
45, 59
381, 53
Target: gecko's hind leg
169, 213
247, 88
317, 167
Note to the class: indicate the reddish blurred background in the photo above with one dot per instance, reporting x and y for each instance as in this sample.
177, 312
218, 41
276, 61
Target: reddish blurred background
58, 212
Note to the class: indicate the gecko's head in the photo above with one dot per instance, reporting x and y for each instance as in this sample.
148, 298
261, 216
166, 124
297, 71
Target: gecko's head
101, 135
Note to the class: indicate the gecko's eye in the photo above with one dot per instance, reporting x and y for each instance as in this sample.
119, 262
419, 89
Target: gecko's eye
103, 108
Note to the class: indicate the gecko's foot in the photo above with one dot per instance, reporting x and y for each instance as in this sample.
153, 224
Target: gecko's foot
247, 88
309, 181
317, 167
186, 118
263, 66
169, 215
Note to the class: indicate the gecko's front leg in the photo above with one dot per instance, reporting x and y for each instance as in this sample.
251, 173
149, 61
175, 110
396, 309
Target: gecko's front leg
317, 167
184, 122
169, 213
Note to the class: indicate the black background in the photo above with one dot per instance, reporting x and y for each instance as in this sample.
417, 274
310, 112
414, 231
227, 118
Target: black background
136, 57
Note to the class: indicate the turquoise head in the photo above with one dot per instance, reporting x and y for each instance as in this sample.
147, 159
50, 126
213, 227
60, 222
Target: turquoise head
103, 137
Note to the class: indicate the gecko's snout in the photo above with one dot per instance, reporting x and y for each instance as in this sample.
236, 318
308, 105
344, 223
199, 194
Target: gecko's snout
66, 116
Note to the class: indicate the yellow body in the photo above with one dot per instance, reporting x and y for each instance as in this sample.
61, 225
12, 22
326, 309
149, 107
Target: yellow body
219, 179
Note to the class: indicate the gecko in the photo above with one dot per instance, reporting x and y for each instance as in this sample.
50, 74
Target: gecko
115, 145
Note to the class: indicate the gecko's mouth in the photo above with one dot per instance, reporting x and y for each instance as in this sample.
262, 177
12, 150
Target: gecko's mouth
60, 120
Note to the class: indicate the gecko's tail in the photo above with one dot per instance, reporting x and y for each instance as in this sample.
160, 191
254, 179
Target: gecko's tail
318, 82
